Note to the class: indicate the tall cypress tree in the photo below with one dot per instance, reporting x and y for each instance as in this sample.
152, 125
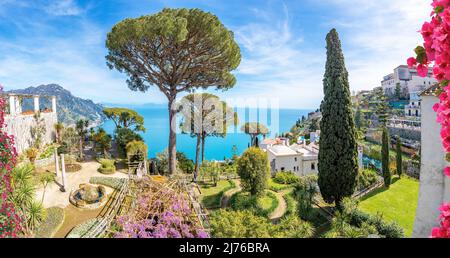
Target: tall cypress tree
385, 158
338, 165
399, 157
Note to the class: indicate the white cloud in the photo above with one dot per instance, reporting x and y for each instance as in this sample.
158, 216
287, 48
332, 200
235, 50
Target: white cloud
63, 8
377, 35
275, 63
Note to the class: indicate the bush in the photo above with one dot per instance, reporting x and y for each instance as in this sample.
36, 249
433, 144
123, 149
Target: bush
243, 201
107, 166
291, 206
112, 182
239, 224
123, 136
53, 221
293, 227
304, 192
358, 218
276, 187
366, 178
285, 178
246, 224
253, 168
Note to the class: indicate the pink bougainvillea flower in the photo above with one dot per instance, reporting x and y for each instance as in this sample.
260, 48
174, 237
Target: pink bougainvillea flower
411, 62
422, 70
447, 171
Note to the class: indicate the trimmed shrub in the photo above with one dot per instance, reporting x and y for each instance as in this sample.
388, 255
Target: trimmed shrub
243, 201
285, 178
108, 181
107, 166
253, 168
53, 221
81, 229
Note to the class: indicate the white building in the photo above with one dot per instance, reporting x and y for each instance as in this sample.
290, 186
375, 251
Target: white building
408, 79
413, 108
301, 159
19, 122
434, 185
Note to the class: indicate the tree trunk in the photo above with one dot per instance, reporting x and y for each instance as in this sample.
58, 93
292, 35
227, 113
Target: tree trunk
172, 137
81, 148
43, 194
197, 154
203, 147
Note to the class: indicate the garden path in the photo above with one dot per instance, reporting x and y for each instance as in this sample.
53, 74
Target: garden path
281, 208
227, 195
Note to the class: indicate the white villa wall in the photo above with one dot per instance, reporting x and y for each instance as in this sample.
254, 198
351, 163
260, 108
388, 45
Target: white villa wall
20, 126
288, 162
434, 185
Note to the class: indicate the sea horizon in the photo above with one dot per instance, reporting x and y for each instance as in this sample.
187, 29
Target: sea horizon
156, 122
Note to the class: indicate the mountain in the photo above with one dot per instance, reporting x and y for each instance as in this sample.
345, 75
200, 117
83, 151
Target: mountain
69, 108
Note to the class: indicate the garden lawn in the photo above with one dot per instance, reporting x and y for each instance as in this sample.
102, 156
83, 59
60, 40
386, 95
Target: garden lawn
398, 203
211, 194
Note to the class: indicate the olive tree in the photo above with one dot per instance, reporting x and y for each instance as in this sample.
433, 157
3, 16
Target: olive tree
175, 50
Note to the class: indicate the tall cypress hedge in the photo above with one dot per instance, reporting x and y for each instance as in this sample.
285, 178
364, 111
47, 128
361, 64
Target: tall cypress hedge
399, 157
385, 157
338, 165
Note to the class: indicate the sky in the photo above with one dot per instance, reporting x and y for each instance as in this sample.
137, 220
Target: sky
282, 44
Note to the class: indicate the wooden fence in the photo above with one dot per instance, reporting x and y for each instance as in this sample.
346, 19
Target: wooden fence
107, 215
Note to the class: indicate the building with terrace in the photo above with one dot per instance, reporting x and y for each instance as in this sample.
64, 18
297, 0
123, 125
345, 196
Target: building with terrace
413, 108
299, 158
408, 80
21, 120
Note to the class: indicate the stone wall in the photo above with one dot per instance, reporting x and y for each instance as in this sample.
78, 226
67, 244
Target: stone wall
20, 126
405, 133
413, 169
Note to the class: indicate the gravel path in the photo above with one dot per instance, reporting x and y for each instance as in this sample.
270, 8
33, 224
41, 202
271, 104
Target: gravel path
227, 195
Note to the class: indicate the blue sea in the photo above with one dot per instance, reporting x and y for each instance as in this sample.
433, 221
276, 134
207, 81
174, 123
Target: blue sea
156, 122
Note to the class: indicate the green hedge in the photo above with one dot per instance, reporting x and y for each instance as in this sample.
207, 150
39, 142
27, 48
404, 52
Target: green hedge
389, 230
53, 221
82, 229
285, 178
112, 182
242, 201
291, 204
277, 187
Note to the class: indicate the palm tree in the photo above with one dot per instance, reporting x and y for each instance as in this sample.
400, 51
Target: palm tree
45, 179
23, 192
59, 127
82, 129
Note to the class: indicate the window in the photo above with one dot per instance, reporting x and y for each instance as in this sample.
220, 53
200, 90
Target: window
294, 168
295, 159
282, 168
313, 166
417, 112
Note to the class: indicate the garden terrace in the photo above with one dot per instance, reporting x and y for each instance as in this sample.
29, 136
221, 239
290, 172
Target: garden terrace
397, 203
